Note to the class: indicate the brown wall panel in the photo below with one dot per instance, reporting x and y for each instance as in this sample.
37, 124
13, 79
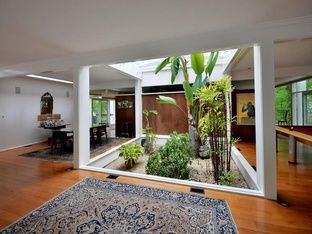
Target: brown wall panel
125, 115
170, 118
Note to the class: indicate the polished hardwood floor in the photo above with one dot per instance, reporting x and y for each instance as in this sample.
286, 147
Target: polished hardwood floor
27, 183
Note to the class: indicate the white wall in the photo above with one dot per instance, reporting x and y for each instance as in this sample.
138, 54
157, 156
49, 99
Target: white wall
18, 112
243, 84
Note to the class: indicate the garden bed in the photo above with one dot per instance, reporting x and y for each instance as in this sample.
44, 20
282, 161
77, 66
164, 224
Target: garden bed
197, 170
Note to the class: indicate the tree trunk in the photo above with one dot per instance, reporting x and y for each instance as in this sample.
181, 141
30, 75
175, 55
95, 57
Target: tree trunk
194, 141
228, 129
193, 133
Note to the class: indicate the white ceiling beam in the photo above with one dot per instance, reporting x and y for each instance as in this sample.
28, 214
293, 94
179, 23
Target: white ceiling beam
239, 55
280, 72
112, 84
223, 39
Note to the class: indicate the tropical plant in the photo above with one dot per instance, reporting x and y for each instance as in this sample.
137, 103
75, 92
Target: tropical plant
171, 160
215, 123
149, 144
203, 72
131, 153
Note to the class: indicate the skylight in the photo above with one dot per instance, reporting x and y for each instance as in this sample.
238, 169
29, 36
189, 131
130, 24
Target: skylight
138, 68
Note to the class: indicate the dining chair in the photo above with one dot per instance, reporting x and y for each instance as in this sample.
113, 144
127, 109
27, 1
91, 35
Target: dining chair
93, 137
102, 132
125, 130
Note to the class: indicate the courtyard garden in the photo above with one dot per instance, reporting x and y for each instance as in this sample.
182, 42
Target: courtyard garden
204, 153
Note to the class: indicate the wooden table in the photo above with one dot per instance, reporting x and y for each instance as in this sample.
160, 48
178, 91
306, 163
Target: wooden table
295, 133
53, 128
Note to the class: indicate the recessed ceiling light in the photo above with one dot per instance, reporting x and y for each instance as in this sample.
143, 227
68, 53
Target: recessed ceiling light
49, 78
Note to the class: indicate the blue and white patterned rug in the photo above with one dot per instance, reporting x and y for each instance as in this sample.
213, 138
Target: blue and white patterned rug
96, 206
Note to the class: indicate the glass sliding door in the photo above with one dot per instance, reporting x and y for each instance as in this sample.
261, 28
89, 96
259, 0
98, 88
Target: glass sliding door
307, 108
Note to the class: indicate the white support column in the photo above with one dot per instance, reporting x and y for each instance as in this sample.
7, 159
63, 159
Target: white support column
81, 117
138, 108
265, 118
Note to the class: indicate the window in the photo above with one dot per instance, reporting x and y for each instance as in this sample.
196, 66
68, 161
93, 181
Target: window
307, 108
99, 111
302, 102
283, 102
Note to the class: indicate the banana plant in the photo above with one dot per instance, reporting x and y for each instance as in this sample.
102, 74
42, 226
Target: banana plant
203, 72
147, 113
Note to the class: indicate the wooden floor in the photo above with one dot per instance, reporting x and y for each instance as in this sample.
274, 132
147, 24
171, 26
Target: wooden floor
27, 183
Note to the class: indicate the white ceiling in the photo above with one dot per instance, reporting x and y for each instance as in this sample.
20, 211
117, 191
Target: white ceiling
99, 75
292, 53
34, 29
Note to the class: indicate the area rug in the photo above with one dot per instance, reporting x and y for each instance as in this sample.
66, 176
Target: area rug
97, 206
67, 156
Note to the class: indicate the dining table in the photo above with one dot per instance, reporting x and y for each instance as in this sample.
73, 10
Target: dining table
62, 136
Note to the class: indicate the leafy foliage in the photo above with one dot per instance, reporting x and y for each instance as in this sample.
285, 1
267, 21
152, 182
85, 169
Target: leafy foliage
131, 153
227, 178
283, 103
171, 160
162, 65
203, 73
198, 63
211, 63
188, 92
309, 84
166, 100
199, 67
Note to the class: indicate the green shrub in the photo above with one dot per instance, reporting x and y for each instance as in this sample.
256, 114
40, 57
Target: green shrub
171, 160
131, 153
227, 178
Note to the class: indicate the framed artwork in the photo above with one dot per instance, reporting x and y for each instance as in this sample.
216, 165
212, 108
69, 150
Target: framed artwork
245, 108
46, 104
124, 104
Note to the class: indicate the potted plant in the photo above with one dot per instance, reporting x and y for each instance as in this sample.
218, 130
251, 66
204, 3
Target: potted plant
131, 154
